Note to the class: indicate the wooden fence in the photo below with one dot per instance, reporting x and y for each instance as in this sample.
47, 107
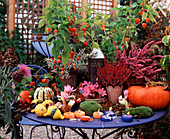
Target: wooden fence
24, 14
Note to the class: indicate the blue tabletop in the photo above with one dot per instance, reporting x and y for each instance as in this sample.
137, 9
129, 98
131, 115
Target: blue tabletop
96, 123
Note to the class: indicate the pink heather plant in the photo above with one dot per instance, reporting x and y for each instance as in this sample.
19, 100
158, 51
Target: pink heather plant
89, 89
24, 70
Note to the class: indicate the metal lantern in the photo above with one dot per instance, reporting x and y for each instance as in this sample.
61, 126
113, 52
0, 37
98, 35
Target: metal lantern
93, 62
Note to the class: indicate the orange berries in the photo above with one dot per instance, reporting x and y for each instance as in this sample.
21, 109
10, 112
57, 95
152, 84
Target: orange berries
51, 58
137, 20
75, 68
142, 4
62, 68
141, 13
55, 31
78, 58
54, 67
147, 20
32, 84
61, 78
76, 41
44, 80
84, 29
143, 9
102, 28
48, 30
85, 44
74, 65
72, 54
59, 57
87, 24
70, 63
54, 84
84, 34
62, 72
73, 30
144, 25
54, 61
126, 39
59, 61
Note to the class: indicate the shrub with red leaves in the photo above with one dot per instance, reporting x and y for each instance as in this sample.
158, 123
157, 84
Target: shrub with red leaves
113, 73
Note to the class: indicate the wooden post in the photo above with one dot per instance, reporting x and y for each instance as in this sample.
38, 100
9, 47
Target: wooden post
114, 3
47, 1
83, 12
11, 16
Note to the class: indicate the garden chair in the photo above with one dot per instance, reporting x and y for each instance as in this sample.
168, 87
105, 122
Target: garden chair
26, 121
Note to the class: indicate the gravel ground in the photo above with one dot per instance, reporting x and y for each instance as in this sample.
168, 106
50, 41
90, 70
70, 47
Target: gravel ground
40, 133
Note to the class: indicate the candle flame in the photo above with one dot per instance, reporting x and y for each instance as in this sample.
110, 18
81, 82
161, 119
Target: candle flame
128, 112
107, 115
110, 109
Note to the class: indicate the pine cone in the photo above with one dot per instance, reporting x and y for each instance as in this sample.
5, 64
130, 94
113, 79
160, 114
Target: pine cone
10, 59
17, 76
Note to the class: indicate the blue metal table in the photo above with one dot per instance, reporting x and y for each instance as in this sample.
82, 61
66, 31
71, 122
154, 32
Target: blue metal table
77, 126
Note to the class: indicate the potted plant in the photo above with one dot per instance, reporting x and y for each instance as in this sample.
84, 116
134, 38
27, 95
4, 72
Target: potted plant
113, 75
92, 91
142, 61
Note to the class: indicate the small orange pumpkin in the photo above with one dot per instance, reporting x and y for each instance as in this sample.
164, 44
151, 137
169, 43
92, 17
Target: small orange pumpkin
25, 96
154, 97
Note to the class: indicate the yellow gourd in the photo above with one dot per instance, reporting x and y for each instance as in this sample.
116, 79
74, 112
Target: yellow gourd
36, 101
39, 110
54, 112
47, 102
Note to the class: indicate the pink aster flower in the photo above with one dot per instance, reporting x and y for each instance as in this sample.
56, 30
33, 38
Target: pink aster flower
68, 89
24, 70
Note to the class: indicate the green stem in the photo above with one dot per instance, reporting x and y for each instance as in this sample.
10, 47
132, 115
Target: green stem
7, 85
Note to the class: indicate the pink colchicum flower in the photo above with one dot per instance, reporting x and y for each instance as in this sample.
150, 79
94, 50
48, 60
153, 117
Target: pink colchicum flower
23, 69
89, 88
64, 95
68, 89
126, 93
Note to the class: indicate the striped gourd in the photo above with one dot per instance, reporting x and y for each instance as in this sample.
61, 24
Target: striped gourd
44, 93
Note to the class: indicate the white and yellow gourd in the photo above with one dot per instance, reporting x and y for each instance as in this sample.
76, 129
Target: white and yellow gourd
44, 93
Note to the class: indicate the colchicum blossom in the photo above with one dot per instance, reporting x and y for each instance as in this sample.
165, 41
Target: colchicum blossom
67, 90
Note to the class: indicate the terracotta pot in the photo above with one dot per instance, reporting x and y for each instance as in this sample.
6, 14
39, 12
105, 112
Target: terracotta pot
133, 81
114, 92
72, 80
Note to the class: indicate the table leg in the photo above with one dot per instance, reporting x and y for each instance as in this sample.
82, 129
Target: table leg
131, 133
57, 129
80, 132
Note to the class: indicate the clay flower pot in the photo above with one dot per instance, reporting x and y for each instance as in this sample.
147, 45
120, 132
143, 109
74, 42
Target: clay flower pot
114, 92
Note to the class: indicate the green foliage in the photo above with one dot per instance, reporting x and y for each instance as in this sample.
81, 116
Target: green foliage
140, 112
6, 100
17, 40
89, 107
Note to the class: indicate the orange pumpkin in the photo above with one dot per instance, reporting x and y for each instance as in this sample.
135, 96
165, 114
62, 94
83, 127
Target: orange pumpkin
25, 96
154, 97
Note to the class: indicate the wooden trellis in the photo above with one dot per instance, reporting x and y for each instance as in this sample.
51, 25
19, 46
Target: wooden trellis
160, 6
24, 14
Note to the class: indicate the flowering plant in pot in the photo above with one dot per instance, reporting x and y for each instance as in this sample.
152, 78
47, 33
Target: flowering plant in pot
113, 75
92, 91
142, 61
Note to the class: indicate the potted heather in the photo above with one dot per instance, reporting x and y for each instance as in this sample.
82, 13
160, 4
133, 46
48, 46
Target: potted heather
113, 75
142, 61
